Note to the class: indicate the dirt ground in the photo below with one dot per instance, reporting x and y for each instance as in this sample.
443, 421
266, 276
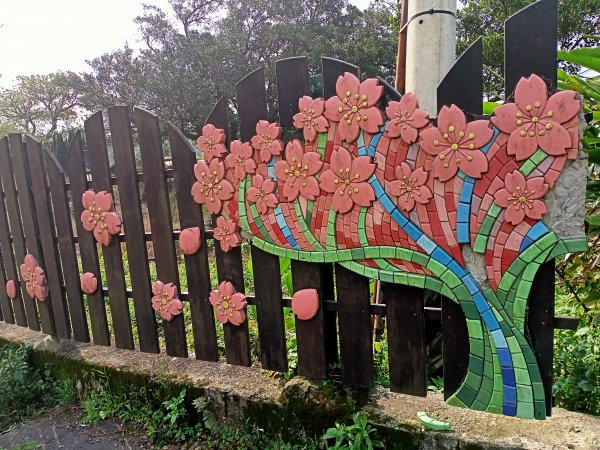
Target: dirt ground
62, 428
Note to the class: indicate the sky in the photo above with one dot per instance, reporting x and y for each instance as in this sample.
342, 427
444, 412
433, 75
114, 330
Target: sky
43, 36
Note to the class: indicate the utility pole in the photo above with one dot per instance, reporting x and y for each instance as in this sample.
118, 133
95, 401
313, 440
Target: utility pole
430, 39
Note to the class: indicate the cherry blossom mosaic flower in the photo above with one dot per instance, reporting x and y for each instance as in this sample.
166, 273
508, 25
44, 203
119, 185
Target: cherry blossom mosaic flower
34, 277
189, 240
262, 194
226, 232
310, 119
354, 106
266, 141
165, 300
98, 216
11, 289
89, 283
457, 144
241, 160
409, 187
534, 120
521, 197
298, 172
347, 180
212, 142
211, 189
229, 305
405, 118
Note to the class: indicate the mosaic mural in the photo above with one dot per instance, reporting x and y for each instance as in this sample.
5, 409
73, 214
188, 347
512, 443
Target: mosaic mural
390, 194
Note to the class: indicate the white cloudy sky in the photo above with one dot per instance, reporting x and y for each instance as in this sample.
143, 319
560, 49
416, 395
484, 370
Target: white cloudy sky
42, 36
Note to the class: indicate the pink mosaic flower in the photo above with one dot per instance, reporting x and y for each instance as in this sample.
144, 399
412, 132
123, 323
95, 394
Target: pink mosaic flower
229, 305
11, 289
226, 232
262, 194
211, 188
165, 300
534, 120
212, 142
347, 180
297, 172
241, 160
409, 187
189, 240
89, 283
521, 197
98, 216
405, 118
457, 144
266, 141
34, 277
354, 106
310, 118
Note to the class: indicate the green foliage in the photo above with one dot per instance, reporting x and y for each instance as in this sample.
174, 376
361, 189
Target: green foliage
357, 436
436, 384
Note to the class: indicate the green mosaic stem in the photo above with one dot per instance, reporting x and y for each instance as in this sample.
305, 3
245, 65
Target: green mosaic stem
242, 205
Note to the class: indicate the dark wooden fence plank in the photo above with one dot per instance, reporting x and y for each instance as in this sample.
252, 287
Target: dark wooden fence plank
6, 310
196, 265
455, 340
87, 243
133, 224
45, 221
292, 84
8, 257
230, 268
356, 348
252, 107
161, 224
30, 228
533, 50
113, 262
66, 246
406, 338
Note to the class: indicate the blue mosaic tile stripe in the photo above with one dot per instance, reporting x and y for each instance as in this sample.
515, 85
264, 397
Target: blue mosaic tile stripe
491, 322
534, 233
285, 229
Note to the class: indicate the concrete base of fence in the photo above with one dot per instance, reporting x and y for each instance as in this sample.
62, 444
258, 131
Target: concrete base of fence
249, 395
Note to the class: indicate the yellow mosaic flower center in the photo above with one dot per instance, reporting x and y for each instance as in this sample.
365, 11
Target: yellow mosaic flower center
454, 146
522, 199
354, 108
225, 304
297, 173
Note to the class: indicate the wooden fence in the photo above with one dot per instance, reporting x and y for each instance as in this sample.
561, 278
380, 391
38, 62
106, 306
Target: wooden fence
41, 205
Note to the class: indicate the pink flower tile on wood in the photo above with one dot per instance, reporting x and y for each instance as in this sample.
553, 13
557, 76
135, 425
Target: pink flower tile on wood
409, 187
310, 119
521, 197
211, 187
212, 142
298, 172
34, 277
165, 300
406, 119
240, 161
229, 305
89, 283
262, 194
98, 216
189, 240
305, 304
11, 289
226, 232
266, 141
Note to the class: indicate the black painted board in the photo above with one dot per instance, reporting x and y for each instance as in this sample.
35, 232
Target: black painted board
292, 84
161, 223
455, 342
530, 44
8, 253
463, 83
540, 325
356, 346
230, 268
332, 69
30, 229
113, 260
310, 334
86, 242
66, 247
133, 224
45, 221
252, 107
196, 265
406, 338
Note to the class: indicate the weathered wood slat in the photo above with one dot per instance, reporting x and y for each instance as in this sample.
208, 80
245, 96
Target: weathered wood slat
455, 350
406, 339
161, 224
252, 107
45, 221
133, 223
6, 310
15, 306
87, 243
196, 265
66, 247
292, 84
230, 268
113, 261
30, 228
356, 348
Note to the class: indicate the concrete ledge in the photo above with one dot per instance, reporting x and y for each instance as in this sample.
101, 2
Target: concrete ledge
242, 394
